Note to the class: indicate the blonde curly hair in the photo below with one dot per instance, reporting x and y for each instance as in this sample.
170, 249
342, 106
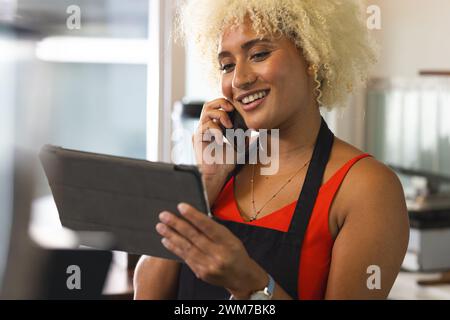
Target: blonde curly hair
332, 35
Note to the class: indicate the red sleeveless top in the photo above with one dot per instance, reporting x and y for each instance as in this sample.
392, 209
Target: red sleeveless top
318, 243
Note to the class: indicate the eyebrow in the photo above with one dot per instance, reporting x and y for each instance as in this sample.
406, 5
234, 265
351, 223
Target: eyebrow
245, 46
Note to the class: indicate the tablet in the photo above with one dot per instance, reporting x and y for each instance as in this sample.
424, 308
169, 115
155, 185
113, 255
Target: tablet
122, 196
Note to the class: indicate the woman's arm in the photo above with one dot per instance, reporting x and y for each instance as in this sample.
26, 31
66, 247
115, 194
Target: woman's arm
213, 185
373, 237
156, 279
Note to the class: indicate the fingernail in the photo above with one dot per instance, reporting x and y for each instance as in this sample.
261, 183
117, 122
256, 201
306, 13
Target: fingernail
164, 241
182, 207
164, 216
160, 227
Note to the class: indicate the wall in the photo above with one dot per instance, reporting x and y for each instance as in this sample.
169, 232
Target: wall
414, 36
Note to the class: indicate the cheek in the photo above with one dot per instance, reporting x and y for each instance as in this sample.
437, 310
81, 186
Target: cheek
279, 75
225, 84
291, 79
280, 71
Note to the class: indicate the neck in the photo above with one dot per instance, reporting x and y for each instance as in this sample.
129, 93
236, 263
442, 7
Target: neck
299, 134
297, 138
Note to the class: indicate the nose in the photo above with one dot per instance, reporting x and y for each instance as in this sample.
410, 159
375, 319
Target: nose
243, 77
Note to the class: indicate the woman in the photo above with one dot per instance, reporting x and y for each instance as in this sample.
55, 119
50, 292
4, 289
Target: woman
332, 222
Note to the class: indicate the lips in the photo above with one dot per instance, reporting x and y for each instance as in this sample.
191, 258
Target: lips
253, 105
251, 93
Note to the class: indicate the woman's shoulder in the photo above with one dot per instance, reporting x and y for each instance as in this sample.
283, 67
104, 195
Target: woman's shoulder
367, 184
342, 154
365, 171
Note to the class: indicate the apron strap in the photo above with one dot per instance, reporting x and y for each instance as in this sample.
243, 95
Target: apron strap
312, 183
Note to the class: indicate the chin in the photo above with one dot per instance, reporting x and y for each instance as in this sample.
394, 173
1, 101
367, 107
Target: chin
257, 122
264, 122
258, 126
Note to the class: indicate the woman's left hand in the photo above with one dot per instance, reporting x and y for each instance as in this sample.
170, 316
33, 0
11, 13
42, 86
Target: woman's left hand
211, 251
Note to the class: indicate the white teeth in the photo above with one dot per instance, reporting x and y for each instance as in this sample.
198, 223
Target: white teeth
254, 97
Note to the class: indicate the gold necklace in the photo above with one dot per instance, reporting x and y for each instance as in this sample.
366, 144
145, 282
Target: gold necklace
256, 213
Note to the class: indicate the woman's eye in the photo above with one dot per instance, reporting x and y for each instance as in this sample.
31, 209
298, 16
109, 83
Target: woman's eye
226, 68
260, 55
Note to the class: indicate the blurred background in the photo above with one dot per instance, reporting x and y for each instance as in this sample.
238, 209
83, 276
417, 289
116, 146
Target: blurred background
106, 76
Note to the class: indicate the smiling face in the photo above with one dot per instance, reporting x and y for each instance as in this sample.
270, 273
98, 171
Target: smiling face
272, 70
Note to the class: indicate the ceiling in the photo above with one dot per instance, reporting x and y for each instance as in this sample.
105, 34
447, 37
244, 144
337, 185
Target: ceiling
99, 18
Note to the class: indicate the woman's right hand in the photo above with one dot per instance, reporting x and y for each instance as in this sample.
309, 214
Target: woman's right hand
209, 131
213, 116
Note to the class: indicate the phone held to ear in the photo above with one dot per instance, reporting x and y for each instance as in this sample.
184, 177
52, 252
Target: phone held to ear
237, 121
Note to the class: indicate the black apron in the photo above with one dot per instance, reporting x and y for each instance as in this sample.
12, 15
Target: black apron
275, 251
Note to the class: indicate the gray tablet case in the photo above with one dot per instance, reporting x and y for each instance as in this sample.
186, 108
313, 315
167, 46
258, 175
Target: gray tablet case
122, 196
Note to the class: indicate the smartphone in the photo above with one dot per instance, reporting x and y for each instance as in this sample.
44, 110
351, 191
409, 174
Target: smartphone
238, 123
237, 120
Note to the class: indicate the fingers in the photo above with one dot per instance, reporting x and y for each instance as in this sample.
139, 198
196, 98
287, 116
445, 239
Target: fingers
215, 113
220, 103
209, 131
212, 124
217, 116
177, 228
209, 134
213, 230
180, 246
192, 256
184, 248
